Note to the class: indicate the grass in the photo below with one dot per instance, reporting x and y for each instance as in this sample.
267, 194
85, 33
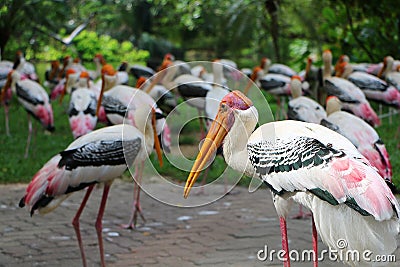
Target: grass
14, 168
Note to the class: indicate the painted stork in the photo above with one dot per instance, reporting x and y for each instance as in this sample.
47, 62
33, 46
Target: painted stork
97, 157
302, 108
191, 88
277, 85
387, 73
82, 109
141, 71
5, 68
164, 98
26, 69
361, 134
309, 164
51, 75
35, 100
122, 104
352, 97
373, 87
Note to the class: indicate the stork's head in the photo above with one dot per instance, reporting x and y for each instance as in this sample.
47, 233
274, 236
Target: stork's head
140, 81
233, 102
327, 56
333, 104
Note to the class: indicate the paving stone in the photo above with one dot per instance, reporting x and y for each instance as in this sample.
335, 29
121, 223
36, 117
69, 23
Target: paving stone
244, 224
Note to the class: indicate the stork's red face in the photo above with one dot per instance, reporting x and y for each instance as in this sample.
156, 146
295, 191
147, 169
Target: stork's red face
220, 127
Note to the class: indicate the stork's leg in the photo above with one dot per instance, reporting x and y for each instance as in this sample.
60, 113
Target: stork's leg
7, 120
28, 141
203, 182
202, 126
130, 225
278, 106
99, 225
283, 109
301, 214
285, 243
136, 204
136, 198
315, 242
75, 222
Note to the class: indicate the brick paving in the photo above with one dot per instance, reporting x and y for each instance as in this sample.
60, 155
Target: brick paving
228, 232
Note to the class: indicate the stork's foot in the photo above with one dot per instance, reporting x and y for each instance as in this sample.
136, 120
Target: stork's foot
137, 210
129, 226
201, 192
302, 215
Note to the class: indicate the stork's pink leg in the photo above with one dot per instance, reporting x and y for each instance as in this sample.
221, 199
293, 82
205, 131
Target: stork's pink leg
28, 141
203, 182
7, 120
75, 222
136, 208
315, 242
99, 225
285, 243
278, 106
202, 126
301, 214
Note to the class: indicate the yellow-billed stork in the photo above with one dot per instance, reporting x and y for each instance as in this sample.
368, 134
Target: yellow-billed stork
309, 164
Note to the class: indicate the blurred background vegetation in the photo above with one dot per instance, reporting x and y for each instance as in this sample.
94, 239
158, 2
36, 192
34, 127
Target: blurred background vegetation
242, 30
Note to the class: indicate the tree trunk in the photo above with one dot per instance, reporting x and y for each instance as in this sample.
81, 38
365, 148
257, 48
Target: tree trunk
272, 7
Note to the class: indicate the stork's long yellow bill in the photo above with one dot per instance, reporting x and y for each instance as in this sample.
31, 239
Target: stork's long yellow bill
214, 138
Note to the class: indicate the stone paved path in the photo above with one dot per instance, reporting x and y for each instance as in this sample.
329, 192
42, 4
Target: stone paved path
228, 232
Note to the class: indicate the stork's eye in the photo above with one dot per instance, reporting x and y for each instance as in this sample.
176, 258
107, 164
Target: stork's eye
223, 107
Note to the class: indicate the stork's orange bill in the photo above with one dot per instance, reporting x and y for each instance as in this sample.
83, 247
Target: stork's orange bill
213, 140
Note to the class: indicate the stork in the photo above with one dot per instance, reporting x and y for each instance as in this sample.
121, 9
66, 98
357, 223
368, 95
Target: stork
122, 104
352, 97
97, 157
35, 100
309, 164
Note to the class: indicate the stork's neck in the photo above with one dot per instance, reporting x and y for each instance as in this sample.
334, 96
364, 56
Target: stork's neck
218, 73
327, 68
235, 143
167, 81
142, 119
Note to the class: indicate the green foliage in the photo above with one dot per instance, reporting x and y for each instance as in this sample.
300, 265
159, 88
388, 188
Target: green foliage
89, 43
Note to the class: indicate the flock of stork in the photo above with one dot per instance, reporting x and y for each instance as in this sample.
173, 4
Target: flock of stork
330, 160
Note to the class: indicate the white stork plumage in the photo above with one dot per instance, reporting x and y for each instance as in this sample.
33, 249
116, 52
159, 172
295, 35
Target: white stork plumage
141, 71
35, 100
302, 108
191, 88
97, 157
387, 72
123, 104
164, 98
361, 134
26, 69
311, 165
350, 95
277, 85
82, 108
373, 87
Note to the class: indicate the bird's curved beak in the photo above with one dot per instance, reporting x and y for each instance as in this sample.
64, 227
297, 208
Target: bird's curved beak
156, 141
215, 136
